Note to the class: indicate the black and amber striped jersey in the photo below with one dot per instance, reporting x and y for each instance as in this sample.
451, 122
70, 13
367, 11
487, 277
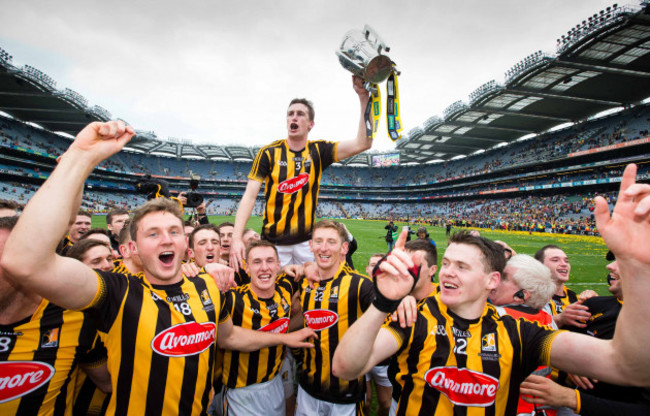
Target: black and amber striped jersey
247, 310
329, 309
448, 365
38, 356
291, 187
241, 277
120, 267
559, 302
64, 245
89, 400
160, 341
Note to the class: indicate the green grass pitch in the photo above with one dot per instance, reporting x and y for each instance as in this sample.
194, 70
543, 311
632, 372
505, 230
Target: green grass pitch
586, 253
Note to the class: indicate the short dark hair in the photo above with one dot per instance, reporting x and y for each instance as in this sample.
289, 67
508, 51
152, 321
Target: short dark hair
79, 249
493, 254
84, 213
539, 256
114, 213
190, 241
260, 243
306, 103
8, 223
430, 251
95, 231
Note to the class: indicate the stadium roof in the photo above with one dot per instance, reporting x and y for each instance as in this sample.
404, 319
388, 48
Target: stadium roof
601, 64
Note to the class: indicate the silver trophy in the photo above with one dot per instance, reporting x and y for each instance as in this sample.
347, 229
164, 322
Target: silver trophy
361, 54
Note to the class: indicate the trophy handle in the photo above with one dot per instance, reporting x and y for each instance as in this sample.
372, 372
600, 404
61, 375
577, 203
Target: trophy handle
373, 37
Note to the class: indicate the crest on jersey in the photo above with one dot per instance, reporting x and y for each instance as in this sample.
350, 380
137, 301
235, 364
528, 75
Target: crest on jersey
488, 342
335, 292
50, 338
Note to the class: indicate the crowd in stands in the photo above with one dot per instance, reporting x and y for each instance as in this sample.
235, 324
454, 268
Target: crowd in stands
615, 129
553, 213
572, 214
517, 211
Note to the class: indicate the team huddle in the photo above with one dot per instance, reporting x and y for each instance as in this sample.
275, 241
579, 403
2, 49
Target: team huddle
196, 319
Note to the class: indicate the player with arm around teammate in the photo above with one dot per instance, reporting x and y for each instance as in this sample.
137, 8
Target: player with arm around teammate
156, 327
253, 384
42, 346
464, 290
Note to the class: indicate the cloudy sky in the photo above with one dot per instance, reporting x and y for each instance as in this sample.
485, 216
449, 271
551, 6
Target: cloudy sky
223, 72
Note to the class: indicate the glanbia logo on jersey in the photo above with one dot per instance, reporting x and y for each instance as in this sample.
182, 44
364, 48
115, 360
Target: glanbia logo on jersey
277, 327
185, 339
320, 319
294, 184
18, 378
463, 386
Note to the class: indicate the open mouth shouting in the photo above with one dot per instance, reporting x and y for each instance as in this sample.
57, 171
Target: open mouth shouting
166, 258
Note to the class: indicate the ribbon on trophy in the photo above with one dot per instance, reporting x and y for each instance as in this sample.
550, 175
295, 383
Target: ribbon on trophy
361, 54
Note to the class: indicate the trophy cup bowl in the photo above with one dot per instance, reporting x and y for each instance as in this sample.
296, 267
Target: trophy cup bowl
360, 53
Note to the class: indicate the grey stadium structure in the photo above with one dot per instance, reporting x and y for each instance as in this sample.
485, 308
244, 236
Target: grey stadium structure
557, 127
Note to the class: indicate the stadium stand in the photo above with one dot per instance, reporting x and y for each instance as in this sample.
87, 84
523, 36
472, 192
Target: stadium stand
528, 153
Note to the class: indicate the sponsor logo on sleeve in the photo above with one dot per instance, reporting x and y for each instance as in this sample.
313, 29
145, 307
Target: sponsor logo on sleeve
277, 327
319, 319
18, 378
462, 386
294, 184
185, 339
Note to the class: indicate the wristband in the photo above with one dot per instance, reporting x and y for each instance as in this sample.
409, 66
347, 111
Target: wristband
578, 402
381, 302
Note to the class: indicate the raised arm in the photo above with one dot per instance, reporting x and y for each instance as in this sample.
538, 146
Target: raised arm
361, 143
29, 257
393, 283
624, 359
627, 233
232, 337
366, 335
246, 205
